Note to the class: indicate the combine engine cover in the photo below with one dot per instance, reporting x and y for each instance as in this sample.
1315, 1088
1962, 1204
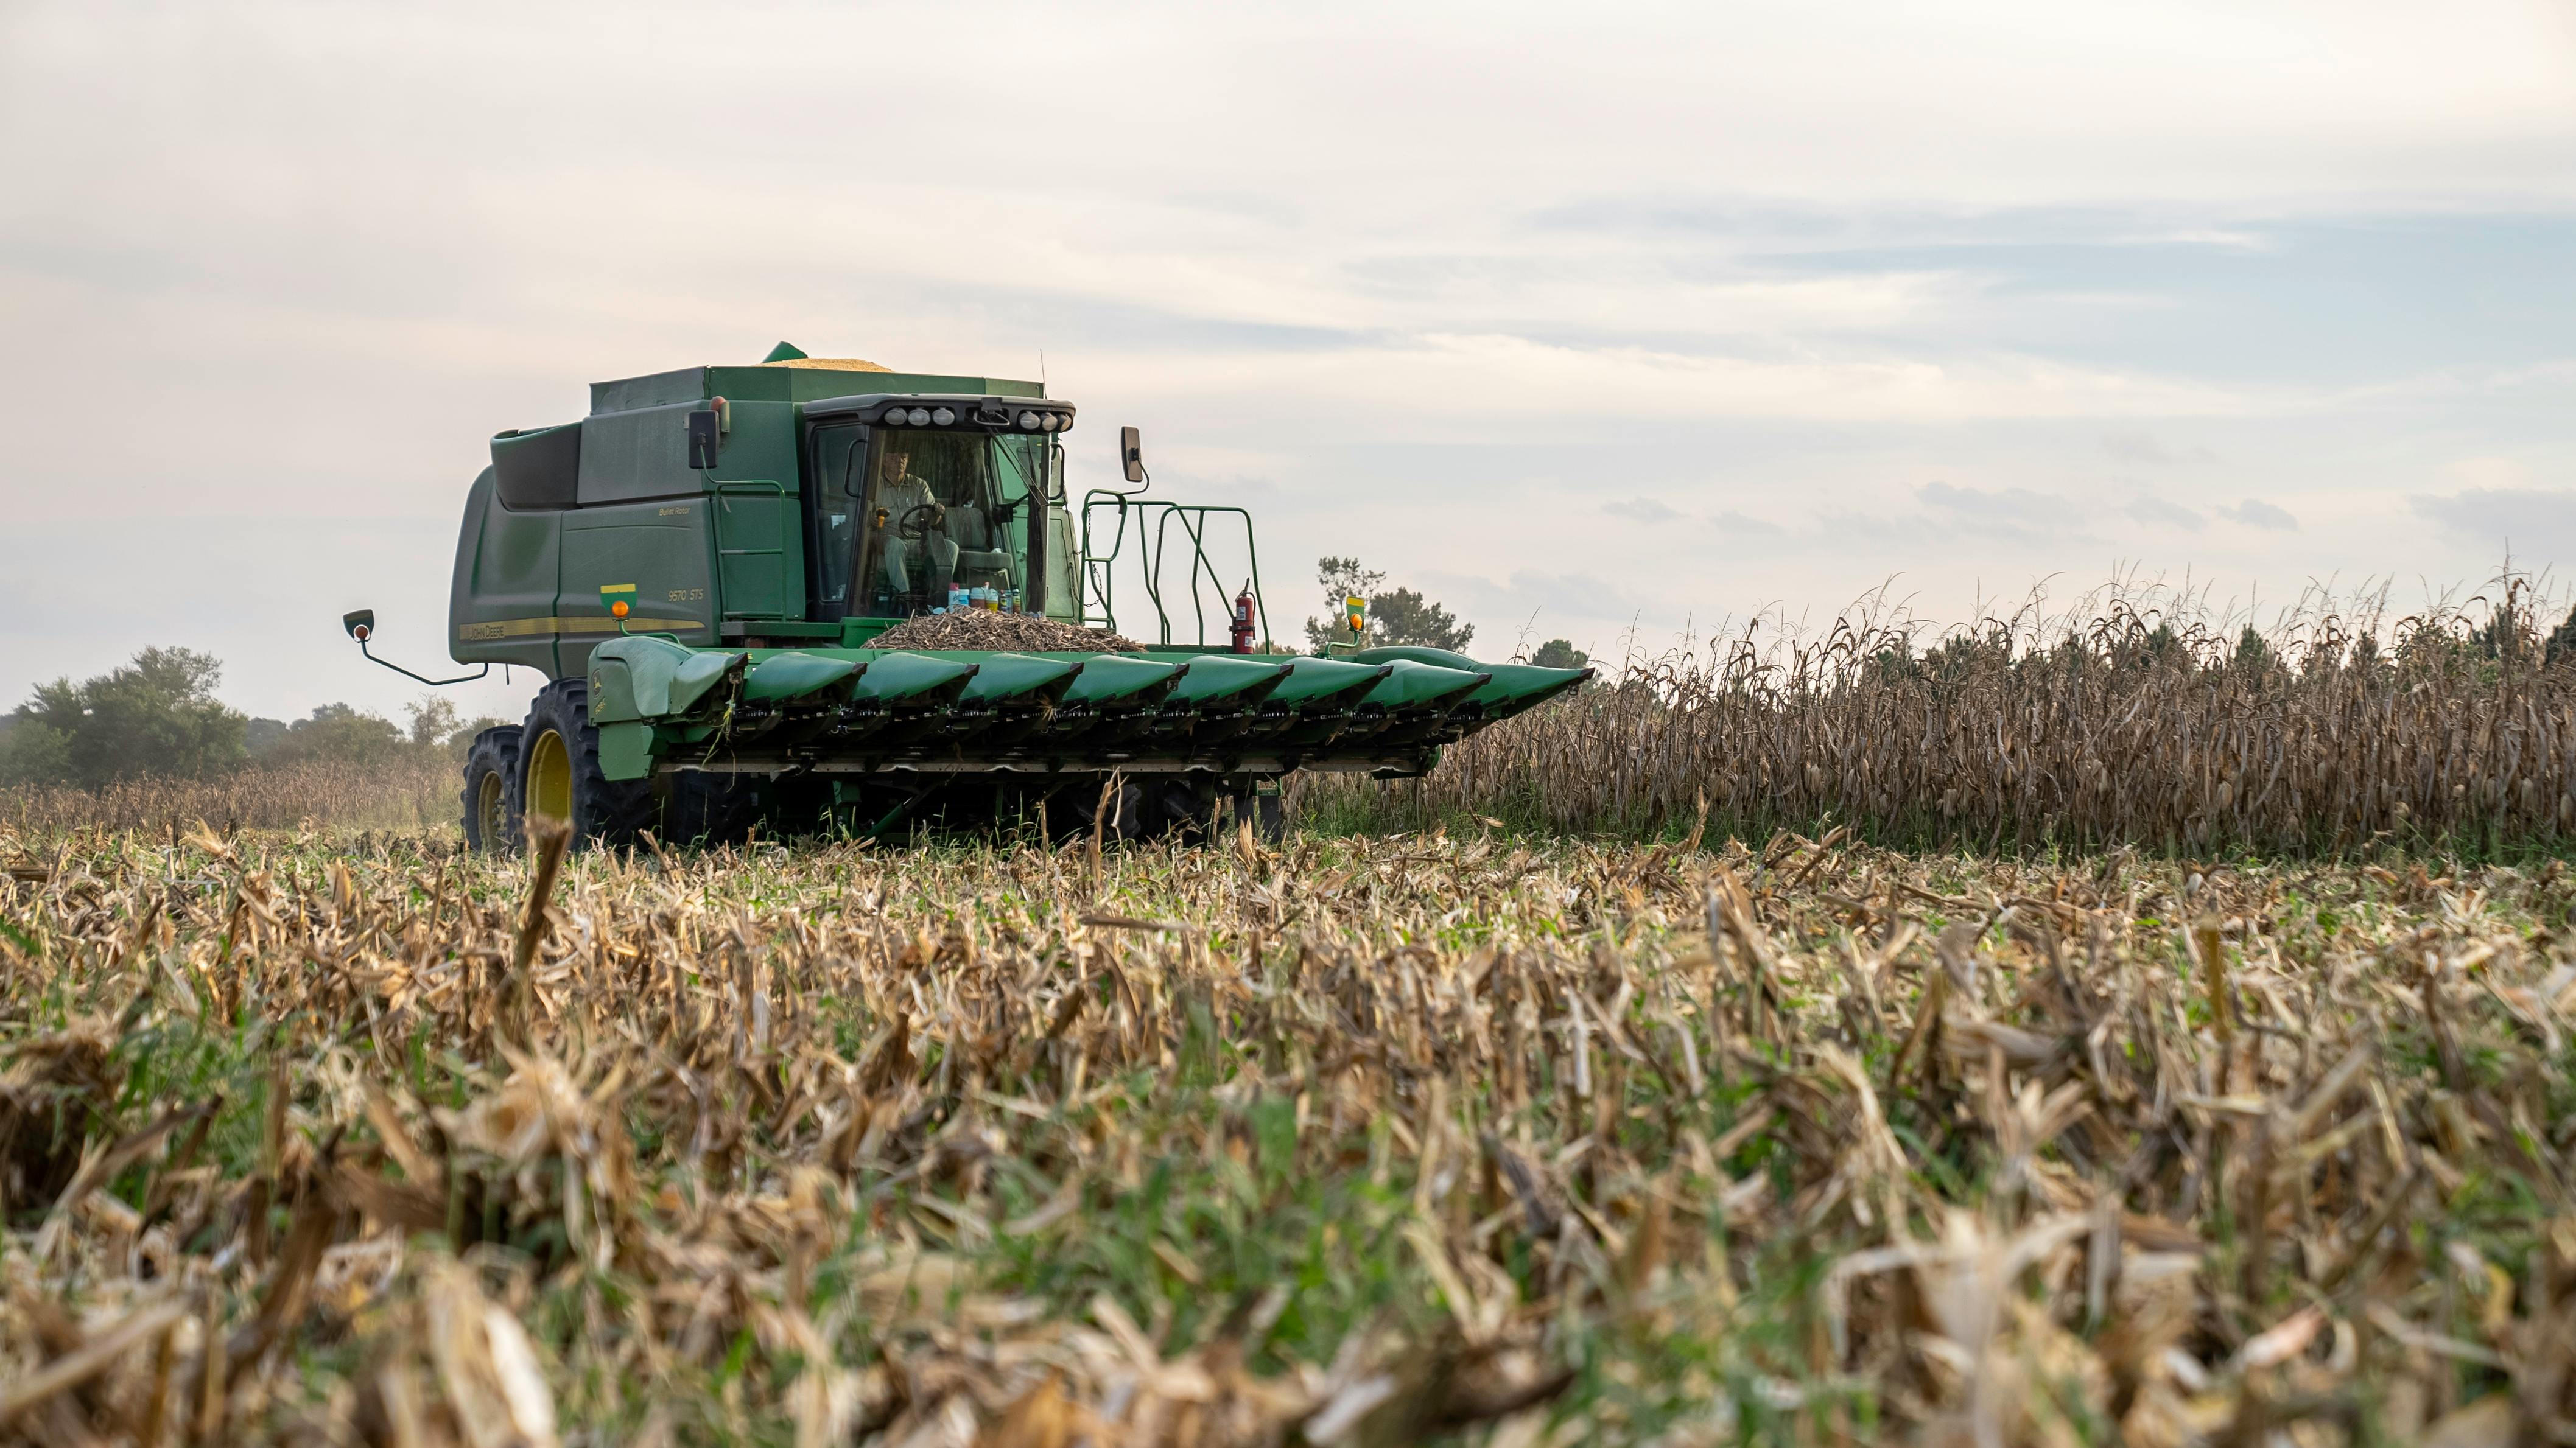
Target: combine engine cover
704, 566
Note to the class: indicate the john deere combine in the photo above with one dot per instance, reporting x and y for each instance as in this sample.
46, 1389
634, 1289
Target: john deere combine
704, 565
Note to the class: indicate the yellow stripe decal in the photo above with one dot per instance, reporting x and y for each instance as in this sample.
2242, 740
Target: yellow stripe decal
519, 628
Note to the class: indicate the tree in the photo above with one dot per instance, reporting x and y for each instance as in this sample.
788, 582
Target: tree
1968, 655
2253, 655
2561, 645
460, 740
1560, 654
262, 735
1402, 616
1342, 578
433, 719
338, 733
1395, 615
30, 753
156, 715
341, 733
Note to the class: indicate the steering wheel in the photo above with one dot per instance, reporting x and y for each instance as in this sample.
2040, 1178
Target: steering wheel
918, 520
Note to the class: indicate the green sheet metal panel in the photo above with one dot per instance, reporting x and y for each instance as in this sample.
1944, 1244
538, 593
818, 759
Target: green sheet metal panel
1414, 685
626, 750
762, 443
1117, 679
1022, 678
501, 596
634, 677
661, 547
798, 675
1241, 680
1514, 686
1316, 681
639, 454
907, 678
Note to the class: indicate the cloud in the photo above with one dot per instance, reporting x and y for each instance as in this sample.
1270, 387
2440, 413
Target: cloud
1643, 510
1734, 522
2136, 445
1569, 595
2015, 507
2156, 511
1952, 514
2255, 513
2534, 522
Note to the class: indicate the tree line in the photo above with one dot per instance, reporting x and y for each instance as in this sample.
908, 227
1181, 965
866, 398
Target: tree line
158, 716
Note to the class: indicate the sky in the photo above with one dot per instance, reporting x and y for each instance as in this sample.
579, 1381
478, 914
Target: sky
1599, 322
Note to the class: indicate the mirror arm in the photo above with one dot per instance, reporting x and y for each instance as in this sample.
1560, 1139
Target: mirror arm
408, 674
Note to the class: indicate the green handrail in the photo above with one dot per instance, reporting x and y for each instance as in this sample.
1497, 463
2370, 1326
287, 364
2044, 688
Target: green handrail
1100, 569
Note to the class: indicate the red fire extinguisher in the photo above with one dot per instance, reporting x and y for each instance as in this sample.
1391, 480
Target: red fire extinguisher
1242, 627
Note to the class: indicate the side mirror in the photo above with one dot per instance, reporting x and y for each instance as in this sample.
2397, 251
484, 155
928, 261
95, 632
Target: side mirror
361, 624
1131, 454
703, 438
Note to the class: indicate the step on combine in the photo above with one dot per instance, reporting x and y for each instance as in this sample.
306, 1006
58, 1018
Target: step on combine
816, 594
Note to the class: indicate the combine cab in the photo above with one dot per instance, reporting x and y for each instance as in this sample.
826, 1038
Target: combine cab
705, 564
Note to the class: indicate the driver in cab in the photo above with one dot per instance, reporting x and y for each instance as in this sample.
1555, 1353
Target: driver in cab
907, 509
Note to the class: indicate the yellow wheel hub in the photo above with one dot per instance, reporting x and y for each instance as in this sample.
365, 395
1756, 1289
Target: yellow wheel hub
491, 811
549, 778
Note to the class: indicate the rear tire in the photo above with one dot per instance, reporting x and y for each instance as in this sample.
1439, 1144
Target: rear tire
559, 774
490, 799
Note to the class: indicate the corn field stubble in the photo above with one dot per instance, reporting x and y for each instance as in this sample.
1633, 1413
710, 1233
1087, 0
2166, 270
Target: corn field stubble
405, 794
1344, 1142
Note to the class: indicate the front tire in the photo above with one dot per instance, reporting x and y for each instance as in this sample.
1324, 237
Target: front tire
490, 799
1267, 812
703, 809
1130, 812
559, 775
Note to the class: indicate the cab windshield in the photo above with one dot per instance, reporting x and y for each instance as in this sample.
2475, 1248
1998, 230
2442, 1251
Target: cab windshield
918, 512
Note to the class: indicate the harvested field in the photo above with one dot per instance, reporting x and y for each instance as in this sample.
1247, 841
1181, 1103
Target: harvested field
1427, 1138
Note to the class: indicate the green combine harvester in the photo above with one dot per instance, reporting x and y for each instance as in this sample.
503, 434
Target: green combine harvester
820, 595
